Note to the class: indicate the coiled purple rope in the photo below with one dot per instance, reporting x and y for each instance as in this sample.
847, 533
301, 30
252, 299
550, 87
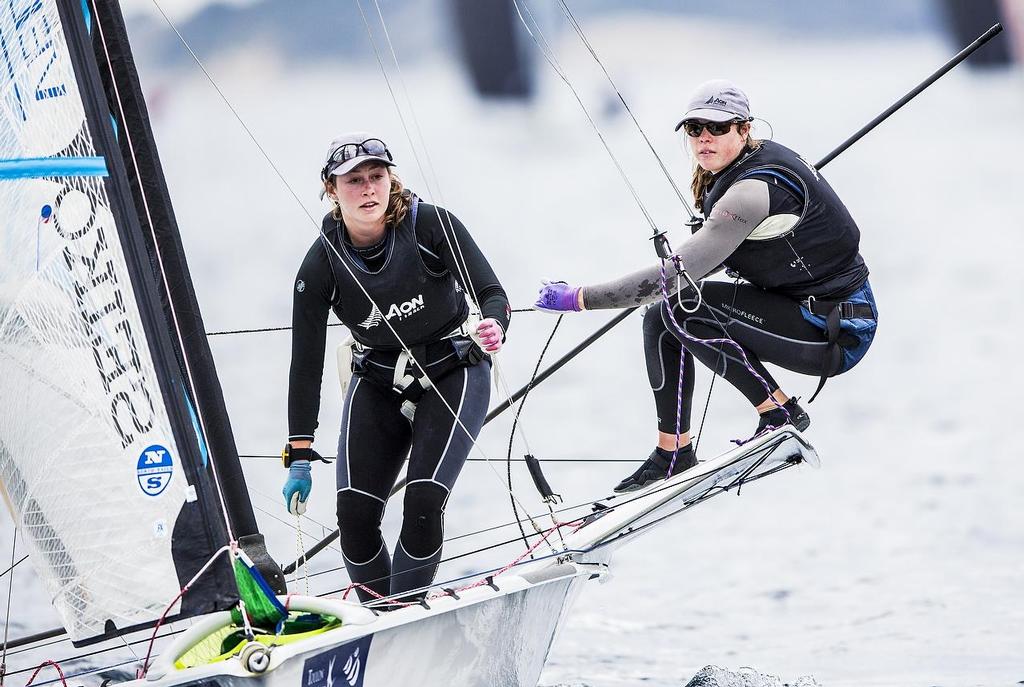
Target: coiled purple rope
685, 334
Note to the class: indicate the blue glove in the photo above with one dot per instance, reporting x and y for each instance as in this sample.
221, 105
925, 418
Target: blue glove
557, 296
297, 487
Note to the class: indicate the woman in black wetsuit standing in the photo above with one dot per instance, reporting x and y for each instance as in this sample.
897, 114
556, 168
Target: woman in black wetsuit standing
806, 305
395, 270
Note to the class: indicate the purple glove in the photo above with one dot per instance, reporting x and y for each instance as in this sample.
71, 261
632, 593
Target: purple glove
557, 296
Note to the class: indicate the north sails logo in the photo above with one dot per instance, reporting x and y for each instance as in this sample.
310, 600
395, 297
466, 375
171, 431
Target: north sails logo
715, 100
399, 310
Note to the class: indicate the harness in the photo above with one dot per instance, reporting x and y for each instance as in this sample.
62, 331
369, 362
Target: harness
409, 379
834, 312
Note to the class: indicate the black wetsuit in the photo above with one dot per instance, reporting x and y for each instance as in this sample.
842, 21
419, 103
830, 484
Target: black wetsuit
417, 286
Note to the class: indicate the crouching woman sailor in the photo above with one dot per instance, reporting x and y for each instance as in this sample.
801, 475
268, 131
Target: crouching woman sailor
806, 306
395, 270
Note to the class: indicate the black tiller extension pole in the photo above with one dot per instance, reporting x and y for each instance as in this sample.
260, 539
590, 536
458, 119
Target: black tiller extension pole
957, 59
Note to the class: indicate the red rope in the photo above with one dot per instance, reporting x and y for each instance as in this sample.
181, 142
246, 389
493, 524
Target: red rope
141, 673
576, 524
43, 665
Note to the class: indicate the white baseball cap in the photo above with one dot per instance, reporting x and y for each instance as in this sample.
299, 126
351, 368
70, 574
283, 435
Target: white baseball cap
348, 151
717, 100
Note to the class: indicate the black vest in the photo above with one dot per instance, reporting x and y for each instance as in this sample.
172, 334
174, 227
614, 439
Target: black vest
421, 305
819, 256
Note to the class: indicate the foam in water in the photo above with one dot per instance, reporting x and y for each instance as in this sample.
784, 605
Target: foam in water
713, 676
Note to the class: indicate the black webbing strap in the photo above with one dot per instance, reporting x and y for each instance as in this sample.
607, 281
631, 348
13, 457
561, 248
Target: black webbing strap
834, 312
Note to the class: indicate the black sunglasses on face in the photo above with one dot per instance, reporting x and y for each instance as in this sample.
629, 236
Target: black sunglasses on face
694, 127
348, 151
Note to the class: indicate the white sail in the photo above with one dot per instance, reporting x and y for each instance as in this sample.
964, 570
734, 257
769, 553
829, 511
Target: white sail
91, 466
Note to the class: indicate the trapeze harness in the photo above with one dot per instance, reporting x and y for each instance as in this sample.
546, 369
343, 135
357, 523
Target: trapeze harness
815, 258
424, 307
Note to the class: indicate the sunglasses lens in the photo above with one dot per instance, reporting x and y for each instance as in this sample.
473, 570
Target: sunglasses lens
374, 146
695, 127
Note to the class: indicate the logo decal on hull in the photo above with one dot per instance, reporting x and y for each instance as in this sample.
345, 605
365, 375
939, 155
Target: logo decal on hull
342, 666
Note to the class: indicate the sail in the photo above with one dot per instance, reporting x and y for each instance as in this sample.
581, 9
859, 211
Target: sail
102, 457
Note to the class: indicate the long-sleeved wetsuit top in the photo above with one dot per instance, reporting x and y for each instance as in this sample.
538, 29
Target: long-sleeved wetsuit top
314, 290
737, 216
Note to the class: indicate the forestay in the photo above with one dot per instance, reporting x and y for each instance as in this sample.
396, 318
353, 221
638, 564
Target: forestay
101, 455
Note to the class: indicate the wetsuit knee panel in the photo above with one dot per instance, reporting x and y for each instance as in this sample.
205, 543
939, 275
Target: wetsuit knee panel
358, 510
423, 522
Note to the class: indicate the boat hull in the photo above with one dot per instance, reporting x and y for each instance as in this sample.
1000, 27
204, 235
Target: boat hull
487, 637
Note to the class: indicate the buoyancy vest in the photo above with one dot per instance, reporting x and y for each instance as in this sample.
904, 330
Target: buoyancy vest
818, 255
420, 304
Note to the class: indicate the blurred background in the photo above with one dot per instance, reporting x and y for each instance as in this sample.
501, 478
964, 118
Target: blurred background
899, 562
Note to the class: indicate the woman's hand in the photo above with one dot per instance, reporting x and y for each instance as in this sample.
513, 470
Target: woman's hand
297, 486
557, 296
489, 335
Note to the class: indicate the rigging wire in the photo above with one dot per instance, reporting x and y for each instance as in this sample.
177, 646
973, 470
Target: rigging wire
321, 233
713, 490
197, 409
738, 481
287, 328
10, 589
549, 55
451, 237
579, 31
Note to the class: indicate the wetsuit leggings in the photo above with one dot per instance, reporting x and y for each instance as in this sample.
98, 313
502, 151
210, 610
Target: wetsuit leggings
768, 326
375, 438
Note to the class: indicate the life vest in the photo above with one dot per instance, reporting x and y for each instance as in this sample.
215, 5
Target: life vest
813, 254
421, 305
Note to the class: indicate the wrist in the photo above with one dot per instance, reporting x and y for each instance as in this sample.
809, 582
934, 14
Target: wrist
580, 305
295, 452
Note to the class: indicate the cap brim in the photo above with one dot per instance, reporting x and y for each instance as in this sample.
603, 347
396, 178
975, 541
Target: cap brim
349, 165
708, 115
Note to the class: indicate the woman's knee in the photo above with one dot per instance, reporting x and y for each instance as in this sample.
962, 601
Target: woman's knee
423, 520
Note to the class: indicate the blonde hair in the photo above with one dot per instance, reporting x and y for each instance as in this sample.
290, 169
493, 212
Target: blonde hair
399, 200
702, 177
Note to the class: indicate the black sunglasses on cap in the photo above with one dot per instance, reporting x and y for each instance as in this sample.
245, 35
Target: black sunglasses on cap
348, 151
694, 127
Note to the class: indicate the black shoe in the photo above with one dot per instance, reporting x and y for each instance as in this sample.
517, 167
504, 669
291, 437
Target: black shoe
798, 417
655, 468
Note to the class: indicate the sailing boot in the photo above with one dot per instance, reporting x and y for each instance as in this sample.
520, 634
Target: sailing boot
655, 468
775, 417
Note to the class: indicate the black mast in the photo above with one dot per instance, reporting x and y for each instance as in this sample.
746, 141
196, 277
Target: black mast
149, 191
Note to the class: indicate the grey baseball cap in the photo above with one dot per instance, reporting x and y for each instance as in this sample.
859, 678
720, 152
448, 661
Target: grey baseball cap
348, 151
717, 100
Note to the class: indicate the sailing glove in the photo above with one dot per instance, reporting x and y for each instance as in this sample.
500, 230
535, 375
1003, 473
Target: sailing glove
557, 296
488, 335
297, 487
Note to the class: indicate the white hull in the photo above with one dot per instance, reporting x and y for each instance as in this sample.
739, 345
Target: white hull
485, 638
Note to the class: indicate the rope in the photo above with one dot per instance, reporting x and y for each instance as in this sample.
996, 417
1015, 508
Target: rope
729, 340
42, 665
515, 422
141, 673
